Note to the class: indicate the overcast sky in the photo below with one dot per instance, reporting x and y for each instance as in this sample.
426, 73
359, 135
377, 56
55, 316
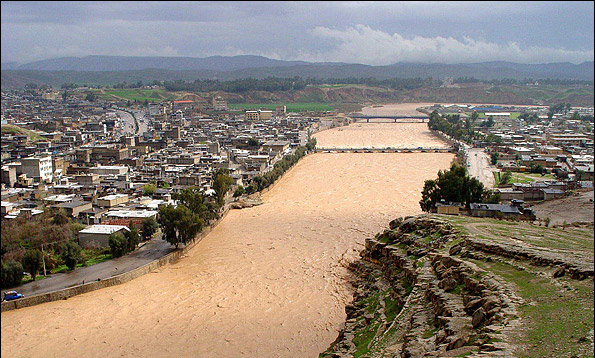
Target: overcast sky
375, 33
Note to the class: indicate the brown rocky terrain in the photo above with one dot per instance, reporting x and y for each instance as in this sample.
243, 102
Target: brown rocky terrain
429, 287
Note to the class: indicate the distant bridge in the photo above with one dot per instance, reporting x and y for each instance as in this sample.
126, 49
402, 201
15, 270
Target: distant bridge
386, 150
395, 119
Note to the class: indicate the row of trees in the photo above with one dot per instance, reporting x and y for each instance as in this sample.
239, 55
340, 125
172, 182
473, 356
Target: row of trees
270, 84
524, 81
261, 182
453, 125
394, 83
455, 186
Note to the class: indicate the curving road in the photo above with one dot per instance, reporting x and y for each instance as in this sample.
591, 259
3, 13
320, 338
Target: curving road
150, 251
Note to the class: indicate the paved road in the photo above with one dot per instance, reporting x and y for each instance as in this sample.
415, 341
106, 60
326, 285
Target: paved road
152, 250
479, 167
129, 127
142, 121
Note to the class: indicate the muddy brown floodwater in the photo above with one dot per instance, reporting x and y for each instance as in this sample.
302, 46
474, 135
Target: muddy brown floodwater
268, 281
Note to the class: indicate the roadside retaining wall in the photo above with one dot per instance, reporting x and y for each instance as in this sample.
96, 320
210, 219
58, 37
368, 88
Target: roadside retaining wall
66, 293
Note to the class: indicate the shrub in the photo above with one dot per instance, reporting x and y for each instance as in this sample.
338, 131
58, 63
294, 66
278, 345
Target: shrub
239, 192
33, 262
71, 254
12, 274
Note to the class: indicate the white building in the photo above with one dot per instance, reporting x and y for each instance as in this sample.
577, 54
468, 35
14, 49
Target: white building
38, 168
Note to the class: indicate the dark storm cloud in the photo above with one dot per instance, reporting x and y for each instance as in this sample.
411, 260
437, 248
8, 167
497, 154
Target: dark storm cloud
366, 32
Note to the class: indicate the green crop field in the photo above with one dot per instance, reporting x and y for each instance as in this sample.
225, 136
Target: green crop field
291, 107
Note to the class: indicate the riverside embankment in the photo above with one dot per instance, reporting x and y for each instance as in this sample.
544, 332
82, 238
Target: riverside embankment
268, 281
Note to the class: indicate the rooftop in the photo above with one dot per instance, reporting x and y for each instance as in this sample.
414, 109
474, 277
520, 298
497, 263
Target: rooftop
103, 229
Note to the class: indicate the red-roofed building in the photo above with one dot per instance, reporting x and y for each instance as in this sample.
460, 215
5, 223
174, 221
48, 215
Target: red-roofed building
182, 105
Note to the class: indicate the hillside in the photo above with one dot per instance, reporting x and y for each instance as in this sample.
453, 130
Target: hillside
16, 130
134, 63
444, 286
468, 93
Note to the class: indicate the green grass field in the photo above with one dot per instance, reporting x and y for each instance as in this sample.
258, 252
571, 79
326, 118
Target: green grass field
291, 107
524, 178
557, 313
513, 115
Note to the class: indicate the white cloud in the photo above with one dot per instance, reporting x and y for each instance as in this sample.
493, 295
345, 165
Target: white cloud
362, 44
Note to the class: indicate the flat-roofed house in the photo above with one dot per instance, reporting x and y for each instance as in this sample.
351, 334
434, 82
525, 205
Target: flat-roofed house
112, 200
75, 207
96, 236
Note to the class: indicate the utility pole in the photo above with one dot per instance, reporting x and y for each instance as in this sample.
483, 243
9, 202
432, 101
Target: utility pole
43, 259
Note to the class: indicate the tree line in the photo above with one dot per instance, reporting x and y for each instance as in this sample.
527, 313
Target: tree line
454, 126
270, 84
260, 182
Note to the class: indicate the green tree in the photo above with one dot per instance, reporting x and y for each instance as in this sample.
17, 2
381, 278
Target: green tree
148, 228
252, 142
194, 200
71, 254
311, 144
474, 116
506, 178
179, 225
453, 186
60, 218
536, 168
494, 158
33, 262
149, 189
239, 191
222, 182
132, 236
90, 97
490, 122
118, 244
12, 274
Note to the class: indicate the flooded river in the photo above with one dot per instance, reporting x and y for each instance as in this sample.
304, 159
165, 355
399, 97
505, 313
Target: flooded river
268, 281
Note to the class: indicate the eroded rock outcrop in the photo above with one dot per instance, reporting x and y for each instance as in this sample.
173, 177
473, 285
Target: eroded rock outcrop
413, 299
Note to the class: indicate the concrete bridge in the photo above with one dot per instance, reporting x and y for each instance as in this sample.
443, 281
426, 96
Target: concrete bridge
386, 150
389, 119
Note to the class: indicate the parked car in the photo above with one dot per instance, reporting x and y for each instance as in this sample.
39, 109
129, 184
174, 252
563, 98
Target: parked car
11, 295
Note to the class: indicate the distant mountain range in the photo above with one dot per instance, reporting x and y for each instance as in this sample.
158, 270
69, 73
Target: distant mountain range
123, 63
107, 70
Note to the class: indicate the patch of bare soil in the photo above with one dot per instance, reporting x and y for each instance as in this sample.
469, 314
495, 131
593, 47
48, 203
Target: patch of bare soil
575, 208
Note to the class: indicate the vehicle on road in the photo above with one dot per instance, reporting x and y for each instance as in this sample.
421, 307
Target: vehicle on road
11, 295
